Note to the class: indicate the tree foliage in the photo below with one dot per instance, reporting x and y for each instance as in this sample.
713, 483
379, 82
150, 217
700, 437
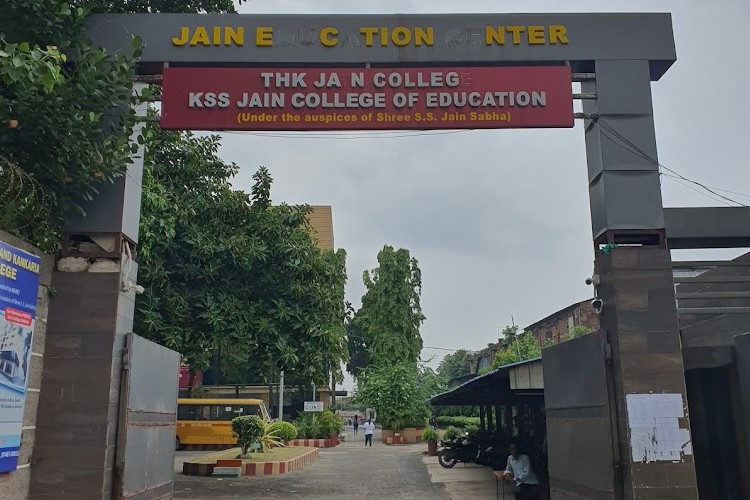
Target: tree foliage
456, 364
398, 393
229, 273
577, 331
65, 109
521, 347
391, 313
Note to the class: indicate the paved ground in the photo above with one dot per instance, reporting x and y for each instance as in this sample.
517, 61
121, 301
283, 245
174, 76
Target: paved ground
468, 481
345, 472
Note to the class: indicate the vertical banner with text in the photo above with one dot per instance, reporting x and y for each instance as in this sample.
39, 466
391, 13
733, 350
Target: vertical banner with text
366, 99
19, 287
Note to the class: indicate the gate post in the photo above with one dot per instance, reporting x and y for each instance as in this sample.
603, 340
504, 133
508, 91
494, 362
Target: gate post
639, 309
90, 316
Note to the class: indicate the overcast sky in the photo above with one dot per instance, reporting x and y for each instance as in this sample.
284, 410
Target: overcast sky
499, 220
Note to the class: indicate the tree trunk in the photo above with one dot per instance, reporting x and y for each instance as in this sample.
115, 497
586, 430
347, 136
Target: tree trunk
191, 380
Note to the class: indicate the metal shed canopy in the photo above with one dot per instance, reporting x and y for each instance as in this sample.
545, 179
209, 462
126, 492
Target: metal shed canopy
499, 386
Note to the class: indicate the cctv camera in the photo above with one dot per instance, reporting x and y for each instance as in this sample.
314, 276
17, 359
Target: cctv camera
598, 305
139, 289
594, 280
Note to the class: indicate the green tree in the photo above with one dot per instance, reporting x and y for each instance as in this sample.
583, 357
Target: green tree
391, 313
522, 347
510, 332
398, 393
358, 344
577, 331
454, 365
65, 124
229, 274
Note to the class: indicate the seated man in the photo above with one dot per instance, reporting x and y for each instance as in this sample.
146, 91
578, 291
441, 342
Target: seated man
519, 471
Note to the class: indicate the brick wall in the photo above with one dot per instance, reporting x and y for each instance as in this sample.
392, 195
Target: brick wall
556, 326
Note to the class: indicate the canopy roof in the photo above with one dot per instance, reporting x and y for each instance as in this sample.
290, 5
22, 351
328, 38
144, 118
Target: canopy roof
503, 385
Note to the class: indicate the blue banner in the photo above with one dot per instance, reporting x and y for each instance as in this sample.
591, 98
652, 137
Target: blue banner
19, 286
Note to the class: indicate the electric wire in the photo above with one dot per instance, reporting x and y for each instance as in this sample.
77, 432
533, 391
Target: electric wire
624, 142
688, 186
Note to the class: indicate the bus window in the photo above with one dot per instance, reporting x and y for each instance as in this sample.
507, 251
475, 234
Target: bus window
250, 410
192, 412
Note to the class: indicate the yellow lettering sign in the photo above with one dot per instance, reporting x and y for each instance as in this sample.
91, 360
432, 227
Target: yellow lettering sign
264, 36
369, 33
200, 37
399, 36
329, 37
558, 34
183, 38
530, 35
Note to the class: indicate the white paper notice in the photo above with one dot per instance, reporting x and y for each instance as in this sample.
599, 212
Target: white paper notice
642, 444
655, 434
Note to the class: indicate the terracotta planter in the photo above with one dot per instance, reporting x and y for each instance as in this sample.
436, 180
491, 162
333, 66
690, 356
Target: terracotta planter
432, 447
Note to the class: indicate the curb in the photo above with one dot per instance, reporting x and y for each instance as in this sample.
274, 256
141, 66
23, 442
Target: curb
253, 469
314, 443
275, 468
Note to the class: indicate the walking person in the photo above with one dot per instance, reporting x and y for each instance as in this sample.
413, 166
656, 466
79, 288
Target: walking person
356, 424
369, 431
519, 471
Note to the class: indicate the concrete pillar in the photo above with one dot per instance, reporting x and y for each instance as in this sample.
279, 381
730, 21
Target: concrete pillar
90, 315
639, 313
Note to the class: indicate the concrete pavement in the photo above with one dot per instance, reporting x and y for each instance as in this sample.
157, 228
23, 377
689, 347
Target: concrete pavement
346, 472
472, 481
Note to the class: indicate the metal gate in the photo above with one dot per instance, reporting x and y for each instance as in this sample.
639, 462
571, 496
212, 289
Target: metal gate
577, 385
146, 429
742, 348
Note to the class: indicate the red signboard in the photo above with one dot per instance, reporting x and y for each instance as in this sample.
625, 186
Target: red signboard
366, 99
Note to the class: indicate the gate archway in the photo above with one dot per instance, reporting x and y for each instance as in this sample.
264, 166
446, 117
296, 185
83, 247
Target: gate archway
408, 66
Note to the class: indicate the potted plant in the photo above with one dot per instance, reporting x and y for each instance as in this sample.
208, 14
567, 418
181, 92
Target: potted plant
431, 436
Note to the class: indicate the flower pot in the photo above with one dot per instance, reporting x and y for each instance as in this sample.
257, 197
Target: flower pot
432, 447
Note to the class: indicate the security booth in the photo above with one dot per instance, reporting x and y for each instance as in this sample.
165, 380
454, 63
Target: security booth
511, 409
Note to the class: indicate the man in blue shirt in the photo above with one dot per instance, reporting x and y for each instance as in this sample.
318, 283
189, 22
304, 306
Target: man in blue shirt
519, 471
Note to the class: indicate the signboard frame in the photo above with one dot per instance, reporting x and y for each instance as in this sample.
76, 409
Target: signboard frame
366, 99
313, 406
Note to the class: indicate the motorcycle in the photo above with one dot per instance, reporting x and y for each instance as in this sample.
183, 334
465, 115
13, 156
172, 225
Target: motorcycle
460, 449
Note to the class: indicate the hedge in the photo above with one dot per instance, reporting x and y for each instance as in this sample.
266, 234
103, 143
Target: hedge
461, 422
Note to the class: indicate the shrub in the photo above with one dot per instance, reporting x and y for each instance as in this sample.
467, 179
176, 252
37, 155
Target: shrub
451, 433
473, 430
249, 430
430, 434
284, 430
462, 422
319, 425
307, 425
270, 438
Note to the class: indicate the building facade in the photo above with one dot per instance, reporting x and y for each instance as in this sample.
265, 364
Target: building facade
554, 328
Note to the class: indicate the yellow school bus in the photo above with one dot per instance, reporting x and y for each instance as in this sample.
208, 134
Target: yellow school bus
208, 421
